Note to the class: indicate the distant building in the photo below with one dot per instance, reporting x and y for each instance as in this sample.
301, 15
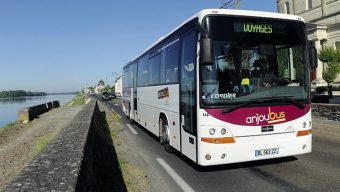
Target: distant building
323, 25
119, 86
99, 88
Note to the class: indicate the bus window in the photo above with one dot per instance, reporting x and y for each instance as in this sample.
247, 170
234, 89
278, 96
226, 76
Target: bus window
143, 71
169, 70
154, 69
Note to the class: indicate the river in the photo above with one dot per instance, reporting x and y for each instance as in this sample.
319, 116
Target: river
9, 106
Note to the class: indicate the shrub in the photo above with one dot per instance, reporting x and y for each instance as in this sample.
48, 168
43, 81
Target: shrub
321, 89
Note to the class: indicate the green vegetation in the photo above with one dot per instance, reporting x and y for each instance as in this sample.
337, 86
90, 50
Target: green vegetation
80, 99
20, 93
9, 126
43, 141
109, 89
129, 169
329, 54
331, 57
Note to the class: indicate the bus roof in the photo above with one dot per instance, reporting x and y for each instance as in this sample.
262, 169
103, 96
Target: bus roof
250, 13
231, 12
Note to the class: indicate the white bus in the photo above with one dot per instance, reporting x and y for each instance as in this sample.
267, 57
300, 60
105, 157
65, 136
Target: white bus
202, 89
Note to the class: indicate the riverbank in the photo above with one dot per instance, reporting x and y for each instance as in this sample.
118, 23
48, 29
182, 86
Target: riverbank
9, 107
20, 93
22, 142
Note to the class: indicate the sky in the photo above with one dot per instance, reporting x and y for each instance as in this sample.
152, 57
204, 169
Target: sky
65, 45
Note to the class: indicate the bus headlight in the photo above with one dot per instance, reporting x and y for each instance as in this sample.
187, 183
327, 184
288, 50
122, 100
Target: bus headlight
223, 131
212, 131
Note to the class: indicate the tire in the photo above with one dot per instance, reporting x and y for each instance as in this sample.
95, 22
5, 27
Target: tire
164, 134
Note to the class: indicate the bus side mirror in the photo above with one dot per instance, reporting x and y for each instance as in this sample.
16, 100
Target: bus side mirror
206, 51
313, 57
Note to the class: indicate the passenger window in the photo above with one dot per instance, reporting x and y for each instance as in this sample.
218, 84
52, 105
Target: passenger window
143, 71
154, 68
169, 70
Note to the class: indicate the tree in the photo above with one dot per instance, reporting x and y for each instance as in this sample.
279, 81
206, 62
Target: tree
107, 88
91, 89
101, 82
331, 57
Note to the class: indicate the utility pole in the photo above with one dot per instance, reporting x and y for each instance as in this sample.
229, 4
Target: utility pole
230, 4
225, 4
237, 4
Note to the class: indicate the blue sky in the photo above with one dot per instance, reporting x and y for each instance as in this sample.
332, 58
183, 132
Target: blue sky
64, 45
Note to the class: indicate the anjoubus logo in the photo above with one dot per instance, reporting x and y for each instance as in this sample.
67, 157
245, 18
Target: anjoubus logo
271, 117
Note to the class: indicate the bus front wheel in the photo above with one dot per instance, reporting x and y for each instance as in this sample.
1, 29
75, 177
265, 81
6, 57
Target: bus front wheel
164, 134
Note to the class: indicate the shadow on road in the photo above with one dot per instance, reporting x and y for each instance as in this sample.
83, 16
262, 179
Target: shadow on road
251, 164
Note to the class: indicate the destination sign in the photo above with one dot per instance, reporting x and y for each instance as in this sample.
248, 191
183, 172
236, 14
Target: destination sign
257, 28
262, 28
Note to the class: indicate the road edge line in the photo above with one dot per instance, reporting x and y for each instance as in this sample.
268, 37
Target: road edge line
177, 178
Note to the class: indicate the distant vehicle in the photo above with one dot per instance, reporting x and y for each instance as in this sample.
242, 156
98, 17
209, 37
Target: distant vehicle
112, 95
198, 89
105, 96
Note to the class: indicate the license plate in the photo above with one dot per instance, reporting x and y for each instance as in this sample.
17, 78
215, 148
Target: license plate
265, 152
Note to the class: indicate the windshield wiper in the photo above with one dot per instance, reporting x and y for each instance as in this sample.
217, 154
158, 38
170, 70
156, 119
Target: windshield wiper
289, 99
294, 102
210, 92
228, 110
262, 100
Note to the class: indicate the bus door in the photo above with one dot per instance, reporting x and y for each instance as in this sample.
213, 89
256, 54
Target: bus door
188, 95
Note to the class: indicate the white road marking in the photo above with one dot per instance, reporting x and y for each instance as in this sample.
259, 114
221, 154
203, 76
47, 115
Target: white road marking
178, 179
116, 104
132, 129
118, 115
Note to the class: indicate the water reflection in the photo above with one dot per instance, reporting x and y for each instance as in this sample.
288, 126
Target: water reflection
9, 106
20, 99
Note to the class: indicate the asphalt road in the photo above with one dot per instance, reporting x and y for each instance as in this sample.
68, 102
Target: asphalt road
317, 171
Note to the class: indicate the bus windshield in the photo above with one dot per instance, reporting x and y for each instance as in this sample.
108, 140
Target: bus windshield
254, 59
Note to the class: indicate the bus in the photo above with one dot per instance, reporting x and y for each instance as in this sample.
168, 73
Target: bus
201, 88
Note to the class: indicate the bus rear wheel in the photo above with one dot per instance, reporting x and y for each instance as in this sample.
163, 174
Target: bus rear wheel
164, 134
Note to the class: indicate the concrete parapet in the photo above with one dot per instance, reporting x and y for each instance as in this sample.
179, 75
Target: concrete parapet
28, 114
328, 111
55, 104
81, 158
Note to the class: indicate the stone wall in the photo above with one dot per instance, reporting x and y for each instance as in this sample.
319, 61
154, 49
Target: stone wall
327, 111
82, 158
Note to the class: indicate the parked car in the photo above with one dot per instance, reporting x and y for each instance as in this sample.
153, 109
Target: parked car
105, 96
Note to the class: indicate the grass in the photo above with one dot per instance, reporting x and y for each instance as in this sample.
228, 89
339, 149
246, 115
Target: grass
130, 170
79, 100
42, 142
130, 173
9, 126
115, 116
